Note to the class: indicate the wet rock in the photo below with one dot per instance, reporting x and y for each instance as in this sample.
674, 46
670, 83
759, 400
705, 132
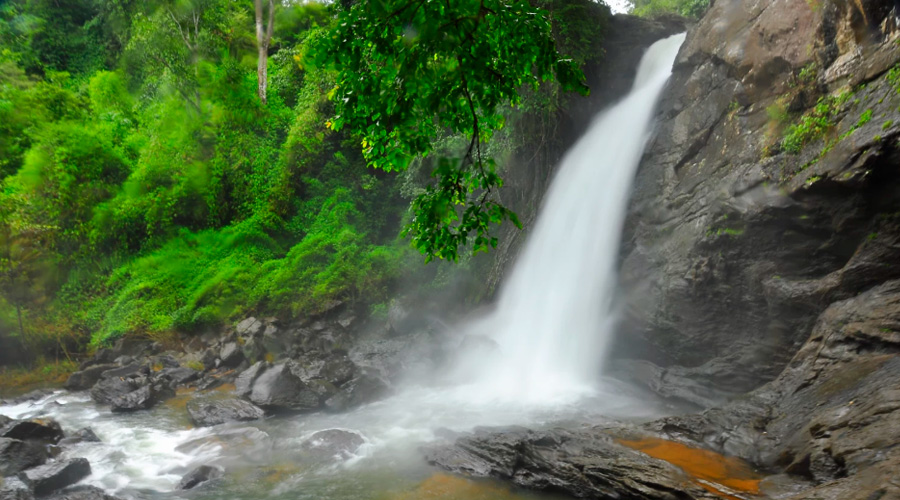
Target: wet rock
231, 355
247, 444
243, 385
16, 455
85, 379
363, 389
85, 435
209, 413
55, 476
583, 463
333, 444
178, 376
82, 492
43, 429
249, 327
12, 488
4, 421
277, 388
132, 370
109, 389
34, 395
198, 476
101, 357
209, 359
141, 399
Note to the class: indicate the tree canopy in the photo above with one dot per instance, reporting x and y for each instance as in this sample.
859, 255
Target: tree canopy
156, 175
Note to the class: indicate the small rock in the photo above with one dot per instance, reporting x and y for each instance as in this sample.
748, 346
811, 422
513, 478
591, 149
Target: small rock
127, 371
231, 355
198, 476
17, 455
179, 376
55, 476
249, 327
208, 413
85, 435
44, 429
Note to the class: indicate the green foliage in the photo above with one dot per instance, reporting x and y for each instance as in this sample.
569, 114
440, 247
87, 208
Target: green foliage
687, 8
814, 124
408, 69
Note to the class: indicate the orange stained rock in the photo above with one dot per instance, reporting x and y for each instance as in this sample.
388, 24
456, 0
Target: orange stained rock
447, 487
703, 465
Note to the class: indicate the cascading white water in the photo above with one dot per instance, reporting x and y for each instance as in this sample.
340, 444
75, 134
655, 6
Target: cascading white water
551, 323
553, 318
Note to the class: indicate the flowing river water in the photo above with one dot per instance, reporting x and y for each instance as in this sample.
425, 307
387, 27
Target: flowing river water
552, 324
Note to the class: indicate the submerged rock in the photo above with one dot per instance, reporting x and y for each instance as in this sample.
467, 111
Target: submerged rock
16, 455
208, 413
12, 488
83, 492
198, 476
55, 476
85, 435
583, 463
333, 444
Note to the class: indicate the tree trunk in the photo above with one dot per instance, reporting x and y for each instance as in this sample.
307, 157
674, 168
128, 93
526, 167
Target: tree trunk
263, 37
21, 326
262, 72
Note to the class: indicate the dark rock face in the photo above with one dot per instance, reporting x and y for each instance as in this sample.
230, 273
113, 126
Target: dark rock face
198, 476
109, 389
585, 463
55, 476
231, 355
733, 247
85, 379
16, 455
277, 388
208, 413
363, 389
243, 385
833, 415
43, 429
332, 444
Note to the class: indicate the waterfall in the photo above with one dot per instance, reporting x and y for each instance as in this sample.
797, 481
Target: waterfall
553, 319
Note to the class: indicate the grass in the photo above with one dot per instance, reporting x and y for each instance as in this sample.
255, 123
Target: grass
15, 381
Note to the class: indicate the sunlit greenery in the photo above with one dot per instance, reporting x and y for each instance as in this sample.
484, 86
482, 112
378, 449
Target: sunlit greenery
145, 188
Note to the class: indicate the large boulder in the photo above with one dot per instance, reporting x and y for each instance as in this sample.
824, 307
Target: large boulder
109, 389
85, 379
55, 476
231, 355
16, 455
363, 389
198, 476
278, 388
43, 429
215, 412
